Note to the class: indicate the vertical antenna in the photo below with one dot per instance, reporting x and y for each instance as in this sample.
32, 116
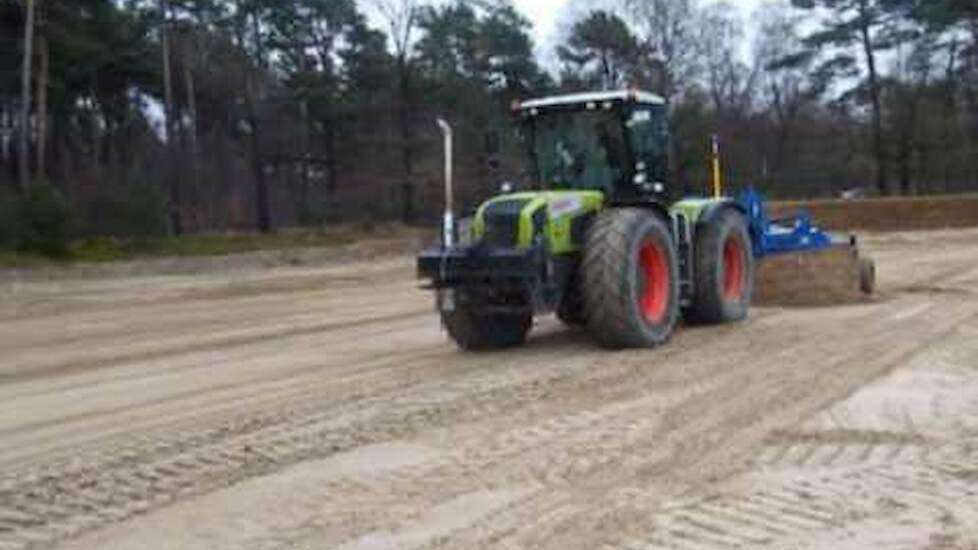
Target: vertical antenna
717, 184
448, 220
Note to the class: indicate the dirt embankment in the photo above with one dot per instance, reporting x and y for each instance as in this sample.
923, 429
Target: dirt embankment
896, 214
836, 277
828, 277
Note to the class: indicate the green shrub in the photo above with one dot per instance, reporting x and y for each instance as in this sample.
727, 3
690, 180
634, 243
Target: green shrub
135, 210
44, 221
10, 220
142, 212
313, 213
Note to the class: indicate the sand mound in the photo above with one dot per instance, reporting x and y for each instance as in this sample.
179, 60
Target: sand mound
889, 214
830, 277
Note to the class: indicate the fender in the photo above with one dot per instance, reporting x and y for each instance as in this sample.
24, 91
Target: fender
657, 208
715, 207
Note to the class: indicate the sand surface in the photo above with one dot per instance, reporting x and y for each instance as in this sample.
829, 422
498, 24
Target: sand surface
322, 407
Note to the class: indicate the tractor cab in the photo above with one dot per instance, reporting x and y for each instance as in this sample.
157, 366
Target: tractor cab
613, 142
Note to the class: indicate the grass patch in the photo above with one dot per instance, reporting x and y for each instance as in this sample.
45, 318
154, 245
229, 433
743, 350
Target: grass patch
106, 249
890, 213
884, 200
26, 260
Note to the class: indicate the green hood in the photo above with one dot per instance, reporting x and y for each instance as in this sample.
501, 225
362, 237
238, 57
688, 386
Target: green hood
518, 220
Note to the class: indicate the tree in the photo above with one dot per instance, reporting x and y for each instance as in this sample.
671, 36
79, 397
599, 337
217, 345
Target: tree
308, 36
486, 45
864, 25
449, 48
250, 29
956, 23
601, 51
729, 81
401, 17
176, 224
512, 66
787, 81
473, 60
907, 92
937, 13
669, 39
272, 106
11, 26
43, 82
25, 96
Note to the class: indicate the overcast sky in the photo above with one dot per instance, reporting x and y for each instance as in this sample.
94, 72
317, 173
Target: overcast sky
544, 14
547, 14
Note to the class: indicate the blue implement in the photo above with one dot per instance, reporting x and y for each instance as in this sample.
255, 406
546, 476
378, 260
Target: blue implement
785, 235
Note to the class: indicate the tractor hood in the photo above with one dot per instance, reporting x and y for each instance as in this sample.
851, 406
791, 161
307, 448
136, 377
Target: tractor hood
557, 219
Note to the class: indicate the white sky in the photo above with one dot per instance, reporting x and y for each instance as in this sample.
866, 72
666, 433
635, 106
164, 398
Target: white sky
543, 14
546, 16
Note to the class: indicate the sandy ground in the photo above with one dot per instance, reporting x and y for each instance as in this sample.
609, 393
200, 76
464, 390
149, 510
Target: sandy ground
322, 407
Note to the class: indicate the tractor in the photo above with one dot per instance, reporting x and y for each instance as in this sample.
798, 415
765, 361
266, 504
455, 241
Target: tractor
602, 238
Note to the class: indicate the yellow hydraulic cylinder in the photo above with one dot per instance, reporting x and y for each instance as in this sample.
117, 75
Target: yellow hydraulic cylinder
715, 161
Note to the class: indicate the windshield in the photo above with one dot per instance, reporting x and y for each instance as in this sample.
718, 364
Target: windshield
584, 150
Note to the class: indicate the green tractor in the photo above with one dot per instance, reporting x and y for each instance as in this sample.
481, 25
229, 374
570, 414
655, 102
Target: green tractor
603, 239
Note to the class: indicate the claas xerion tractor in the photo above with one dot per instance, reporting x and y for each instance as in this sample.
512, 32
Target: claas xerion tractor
603, 239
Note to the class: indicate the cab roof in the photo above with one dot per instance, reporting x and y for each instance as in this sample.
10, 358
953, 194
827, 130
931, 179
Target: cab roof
640, 97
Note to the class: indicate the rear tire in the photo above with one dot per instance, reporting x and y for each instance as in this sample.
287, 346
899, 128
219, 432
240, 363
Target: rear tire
630, 279
476, 331
723, 275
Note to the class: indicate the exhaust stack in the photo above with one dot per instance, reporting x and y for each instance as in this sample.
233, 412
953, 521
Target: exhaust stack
448, 219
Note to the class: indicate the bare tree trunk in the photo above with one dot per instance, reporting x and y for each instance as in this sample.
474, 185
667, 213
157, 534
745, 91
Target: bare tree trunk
264, 219
879, 149
167, 69
43, 78
304, 146
25, 98
262, 203
973, 100
188, 78
401, 17
331, 167
904, 163
176, 222
5, 124
949, 106
907, 126
404, 120
96, 138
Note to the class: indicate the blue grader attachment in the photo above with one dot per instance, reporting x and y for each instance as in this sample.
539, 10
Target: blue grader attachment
782, 236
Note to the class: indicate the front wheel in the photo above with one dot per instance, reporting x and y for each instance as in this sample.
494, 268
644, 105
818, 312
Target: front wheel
630, 279
723, 271
473, 330
570, 311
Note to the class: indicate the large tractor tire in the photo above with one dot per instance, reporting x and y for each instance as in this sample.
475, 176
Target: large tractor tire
630, 279
477, 331
723, 275
570, 311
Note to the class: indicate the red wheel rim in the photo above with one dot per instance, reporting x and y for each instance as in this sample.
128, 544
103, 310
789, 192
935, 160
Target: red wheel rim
653, 297
733, 268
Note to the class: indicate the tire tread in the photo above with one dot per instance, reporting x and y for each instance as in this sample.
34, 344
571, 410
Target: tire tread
608, 296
